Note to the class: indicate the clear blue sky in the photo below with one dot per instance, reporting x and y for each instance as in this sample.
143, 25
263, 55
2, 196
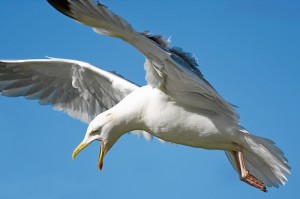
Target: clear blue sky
249, 51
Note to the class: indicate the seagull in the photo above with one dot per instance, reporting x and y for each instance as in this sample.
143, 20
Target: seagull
178, 105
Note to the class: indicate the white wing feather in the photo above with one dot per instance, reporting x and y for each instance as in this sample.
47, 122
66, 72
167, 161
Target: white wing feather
77, 88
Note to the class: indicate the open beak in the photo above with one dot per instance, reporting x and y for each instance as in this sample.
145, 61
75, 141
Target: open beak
79, 148
82, 145
101, 155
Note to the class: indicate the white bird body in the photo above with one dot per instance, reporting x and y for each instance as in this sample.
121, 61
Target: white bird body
170, 121
178, 105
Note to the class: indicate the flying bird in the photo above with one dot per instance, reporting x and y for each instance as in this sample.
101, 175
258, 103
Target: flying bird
177, 105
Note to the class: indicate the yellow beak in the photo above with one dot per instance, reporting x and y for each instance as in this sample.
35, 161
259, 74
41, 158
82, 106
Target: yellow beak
82, 145
101, 155
79, 148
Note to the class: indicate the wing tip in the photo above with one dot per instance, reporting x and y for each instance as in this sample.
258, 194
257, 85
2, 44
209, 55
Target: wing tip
62, 6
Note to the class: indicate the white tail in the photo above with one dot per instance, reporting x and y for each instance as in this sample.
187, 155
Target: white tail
263, 160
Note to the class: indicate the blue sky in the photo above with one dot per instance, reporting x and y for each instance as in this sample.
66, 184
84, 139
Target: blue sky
248, 50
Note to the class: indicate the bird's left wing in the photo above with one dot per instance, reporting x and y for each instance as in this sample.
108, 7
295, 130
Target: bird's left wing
77, 88
171, 69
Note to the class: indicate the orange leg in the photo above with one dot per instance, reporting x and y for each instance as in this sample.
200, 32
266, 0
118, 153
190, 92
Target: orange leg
245, 176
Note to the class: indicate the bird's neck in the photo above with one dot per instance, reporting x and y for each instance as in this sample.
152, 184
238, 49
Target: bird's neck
128, 113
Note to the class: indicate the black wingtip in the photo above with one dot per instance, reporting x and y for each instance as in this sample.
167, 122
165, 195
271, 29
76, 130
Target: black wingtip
62, 6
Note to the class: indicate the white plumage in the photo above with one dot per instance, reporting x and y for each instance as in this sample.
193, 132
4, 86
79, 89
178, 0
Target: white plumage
178, 105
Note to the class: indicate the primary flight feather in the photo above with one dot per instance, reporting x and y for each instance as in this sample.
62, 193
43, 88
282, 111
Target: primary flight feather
178, 105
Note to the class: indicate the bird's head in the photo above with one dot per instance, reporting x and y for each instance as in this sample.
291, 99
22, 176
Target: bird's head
104, 129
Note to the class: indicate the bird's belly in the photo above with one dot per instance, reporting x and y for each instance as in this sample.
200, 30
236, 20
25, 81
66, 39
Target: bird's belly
174, 123
190, 129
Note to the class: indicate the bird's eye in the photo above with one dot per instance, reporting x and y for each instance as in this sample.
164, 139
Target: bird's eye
94, 132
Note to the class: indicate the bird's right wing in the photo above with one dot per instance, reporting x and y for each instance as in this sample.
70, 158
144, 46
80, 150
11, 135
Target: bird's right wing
170, 69
77, 88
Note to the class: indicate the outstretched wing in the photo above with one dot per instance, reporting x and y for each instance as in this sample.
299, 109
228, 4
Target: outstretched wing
170, 69
77, 88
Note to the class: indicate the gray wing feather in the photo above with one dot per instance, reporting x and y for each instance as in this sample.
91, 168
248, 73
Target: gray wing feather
77, 88
170, 69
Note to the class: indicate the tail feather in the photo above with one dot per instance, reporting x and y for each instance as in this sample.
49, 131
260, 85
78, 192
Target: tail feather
263, 160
